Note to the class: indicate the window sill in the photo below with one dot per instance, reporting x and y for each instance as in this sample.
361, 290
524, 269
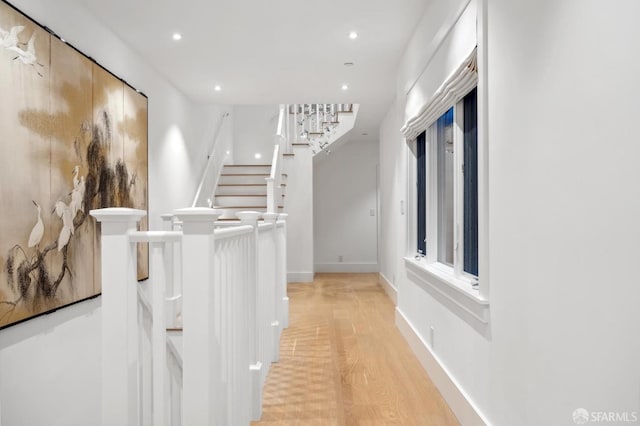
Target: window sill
456, 294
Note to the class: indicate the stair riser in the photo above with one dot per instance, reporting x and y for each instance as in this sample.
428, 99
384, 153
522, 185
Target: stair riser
241, 201
246, 169
241, 179
241, 190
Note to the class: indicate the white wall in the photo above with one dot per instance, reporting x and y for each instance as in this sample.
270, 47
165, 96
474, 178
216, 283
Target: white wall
50, 366
563, 209
344, 196
254, 127
299, 207
50, 369
393, 198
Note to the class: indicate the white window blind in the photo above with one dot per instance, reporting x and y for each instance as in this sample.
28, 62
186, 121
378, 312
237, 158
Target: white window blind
454, 88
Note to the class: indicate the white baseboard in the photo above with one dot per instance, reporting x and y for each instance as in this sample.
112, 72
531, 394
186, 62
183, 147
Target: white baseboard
346, 267
389, 288
460, 404
300, 277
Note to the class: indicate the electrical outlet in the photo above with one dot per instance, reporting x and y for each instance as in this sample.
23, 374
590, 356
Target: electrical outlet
372, 212
340, 258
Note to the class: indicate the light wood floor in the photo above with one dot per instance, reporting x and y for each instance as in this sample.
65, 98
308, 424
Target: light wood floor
343, 362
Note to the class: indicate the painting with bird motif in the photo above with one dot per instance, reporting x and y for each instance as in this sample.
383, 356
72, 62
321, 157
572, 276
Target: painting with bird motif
73, 137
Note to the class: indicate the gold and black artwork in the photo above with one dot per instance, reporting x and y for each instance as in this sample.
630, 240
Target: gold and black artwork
73, 137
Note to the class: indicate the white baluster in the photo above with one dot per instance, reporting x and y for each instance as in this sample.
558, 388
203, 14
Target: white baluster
288, 135
282, 268
251, 218
307, 117
273, 298
295, 123
201, 357
120, 363
244, 359
161, 246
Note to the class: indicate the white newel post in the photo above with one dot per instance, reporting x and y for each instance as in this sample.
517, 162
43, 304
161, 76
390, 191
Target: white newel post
271, 194
120, 363
274, 299
251, 218
282, 271
200, 355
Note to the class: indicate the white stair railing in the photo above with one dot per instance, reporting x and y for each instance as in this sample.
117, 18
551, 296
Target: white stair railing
319, 125
273, 181
215, 161
281, 145
234, 307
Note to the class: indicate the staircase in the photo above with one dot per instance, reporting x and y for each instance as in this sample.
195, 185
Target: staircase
243, 187
319, 125
261, 187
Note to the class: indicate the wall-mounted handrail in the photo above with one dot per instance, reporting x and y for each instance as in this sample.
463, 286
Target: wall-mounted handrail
215, 161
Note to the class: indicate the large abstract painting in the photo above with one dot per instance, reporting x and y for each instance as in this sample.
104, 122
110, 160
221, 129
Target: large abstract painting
73, 137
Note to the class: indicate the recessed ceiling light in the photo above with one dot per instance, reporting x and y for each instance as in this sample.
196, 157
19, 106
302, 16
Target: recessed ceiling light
217, 88
353, 35
257, 156
177, 36
345, 87
349, 64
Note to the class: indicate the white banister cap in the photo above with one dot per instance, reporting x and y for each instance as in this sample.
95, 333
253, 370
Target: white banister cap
197, 214
249, 217
118, 214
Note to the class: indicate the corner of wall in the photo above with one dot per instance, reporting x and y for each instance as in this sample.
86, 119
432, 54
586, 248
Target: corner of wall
388, 288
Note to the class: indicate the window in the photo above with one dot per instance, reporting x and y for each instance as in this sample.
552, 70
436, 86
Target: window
447, 196
422, 194
444, 151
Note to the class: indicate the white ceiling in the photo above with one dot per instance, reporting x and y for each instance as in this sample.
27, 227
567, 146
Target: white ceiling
272, 51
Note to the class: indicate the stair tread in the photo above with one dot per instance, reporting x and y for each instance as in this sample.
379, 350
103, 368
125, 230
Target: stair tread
247, 165
235, 219
242, 184
245, 174
240, 207
241, 195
